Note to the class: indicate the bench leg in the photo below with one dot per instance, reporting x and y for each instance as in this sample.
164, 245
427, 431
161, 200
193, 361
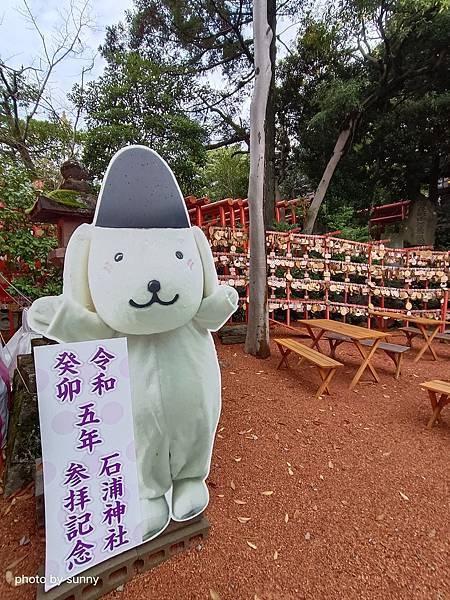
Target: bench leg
397, 360
284, 355
437, 406
398, 370
333, 346
410, 337
327, 376
315, 338
366, 363
428, 341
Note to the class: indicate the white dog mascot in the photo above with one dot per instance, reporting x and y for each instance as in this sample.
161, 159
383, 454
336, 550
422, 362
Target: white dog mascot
141, 271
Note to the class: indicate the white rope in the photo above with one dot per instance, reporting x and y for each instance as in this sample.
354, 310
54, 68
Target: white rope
27, 300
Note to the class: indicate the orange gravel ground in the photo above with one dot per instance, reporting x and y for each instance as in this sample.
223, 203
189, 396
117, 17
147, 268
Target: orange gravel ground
360, 497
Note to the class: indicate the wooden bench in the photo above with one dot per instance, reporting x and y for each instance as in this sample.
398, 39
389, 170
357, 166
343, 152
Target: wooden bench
394, 351
435, 387
412, 332
327, 366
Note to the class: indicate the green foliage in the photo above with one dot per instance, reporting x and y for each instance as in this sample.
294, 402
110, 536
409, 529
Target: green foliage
225, 174
135, 101
343, 220
23, 253
387, 63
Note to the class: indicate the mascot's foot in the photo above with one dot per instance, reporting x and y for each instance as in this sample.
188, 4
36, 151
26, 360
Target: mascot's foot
190, 497
155, 516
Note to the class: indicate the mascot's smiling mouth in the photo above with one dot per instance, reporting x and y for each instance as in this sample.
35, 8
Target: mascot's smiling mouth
154, 300
154, 287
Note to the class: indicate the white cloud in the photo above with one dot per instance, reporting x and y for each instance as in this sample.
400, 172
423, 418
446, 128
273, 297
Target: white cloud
20, 43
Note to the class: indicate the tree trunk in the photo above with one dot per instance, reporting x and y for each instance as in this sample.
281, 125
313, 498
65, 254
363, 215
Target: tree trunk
338, 152
269, 165
257, 340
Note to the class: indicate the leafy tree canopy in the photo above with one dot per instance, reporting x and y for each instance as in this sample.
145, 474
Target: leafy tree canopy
388, 64
136, 102
225, 174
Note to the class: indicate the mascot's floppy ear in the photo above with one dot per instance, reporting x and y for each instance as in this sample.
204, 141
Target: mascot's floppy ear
75, 279
210, 281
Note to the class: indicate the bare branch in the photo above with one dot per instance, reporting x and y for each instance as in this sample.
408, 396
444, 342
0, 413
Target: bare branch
79, 106
66, 44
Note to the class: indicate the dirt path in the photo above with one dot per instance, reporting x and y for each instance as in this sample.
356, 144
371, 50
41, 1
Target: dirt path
360, 502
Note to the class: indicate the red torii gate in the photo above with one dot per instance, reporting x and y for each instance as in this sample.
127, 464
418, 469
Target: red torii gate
235, 212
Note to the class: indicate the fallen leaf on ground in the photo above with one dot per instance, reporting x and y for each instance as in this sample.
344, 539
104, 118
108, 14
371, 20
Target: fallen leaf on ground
251, 544
267, 493
240, 501
237, 458
243, 519
9, 578
307, 536
330, 465
275, 555
16, 562
24, 540
233, 485
290, 471
214, 595
221, 495
404, 496
286, 518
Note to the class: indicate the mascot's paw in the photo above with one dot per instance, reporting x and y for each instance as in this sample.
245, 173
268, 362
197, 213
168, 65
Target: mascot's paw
42, 312
190, 497
155, 516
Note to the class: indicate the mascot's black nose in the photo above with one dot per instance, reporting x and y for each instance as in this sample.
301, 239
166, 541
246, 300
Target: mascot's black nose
153, 286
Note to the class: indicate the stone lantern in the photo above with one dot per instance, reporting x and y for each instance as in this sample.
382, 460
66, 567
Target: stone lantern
72, 204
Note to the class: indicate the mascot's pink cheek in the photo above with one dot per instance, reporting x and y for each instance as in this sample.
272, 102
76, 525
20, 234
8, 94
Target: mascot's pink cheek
107, 266
190, 264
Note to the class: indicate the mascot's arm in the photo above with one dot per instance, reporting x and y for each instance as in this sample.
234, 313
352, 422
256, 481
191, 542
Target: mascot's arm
71, 317
217, 308
219, 301
64, 320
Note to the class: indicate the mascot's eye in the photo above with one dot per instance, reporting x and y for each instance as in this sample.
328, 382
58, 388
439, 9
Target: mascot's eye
118, 257
179, 254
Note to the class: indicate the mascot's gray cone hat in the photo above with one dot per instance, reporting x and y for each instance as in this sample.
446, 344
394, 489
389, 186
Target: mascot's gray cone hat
140, 191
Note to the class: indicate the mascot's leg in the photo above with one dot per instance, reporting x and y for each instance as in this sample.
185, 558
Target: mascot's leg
190, 395
190, 458
152, 455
